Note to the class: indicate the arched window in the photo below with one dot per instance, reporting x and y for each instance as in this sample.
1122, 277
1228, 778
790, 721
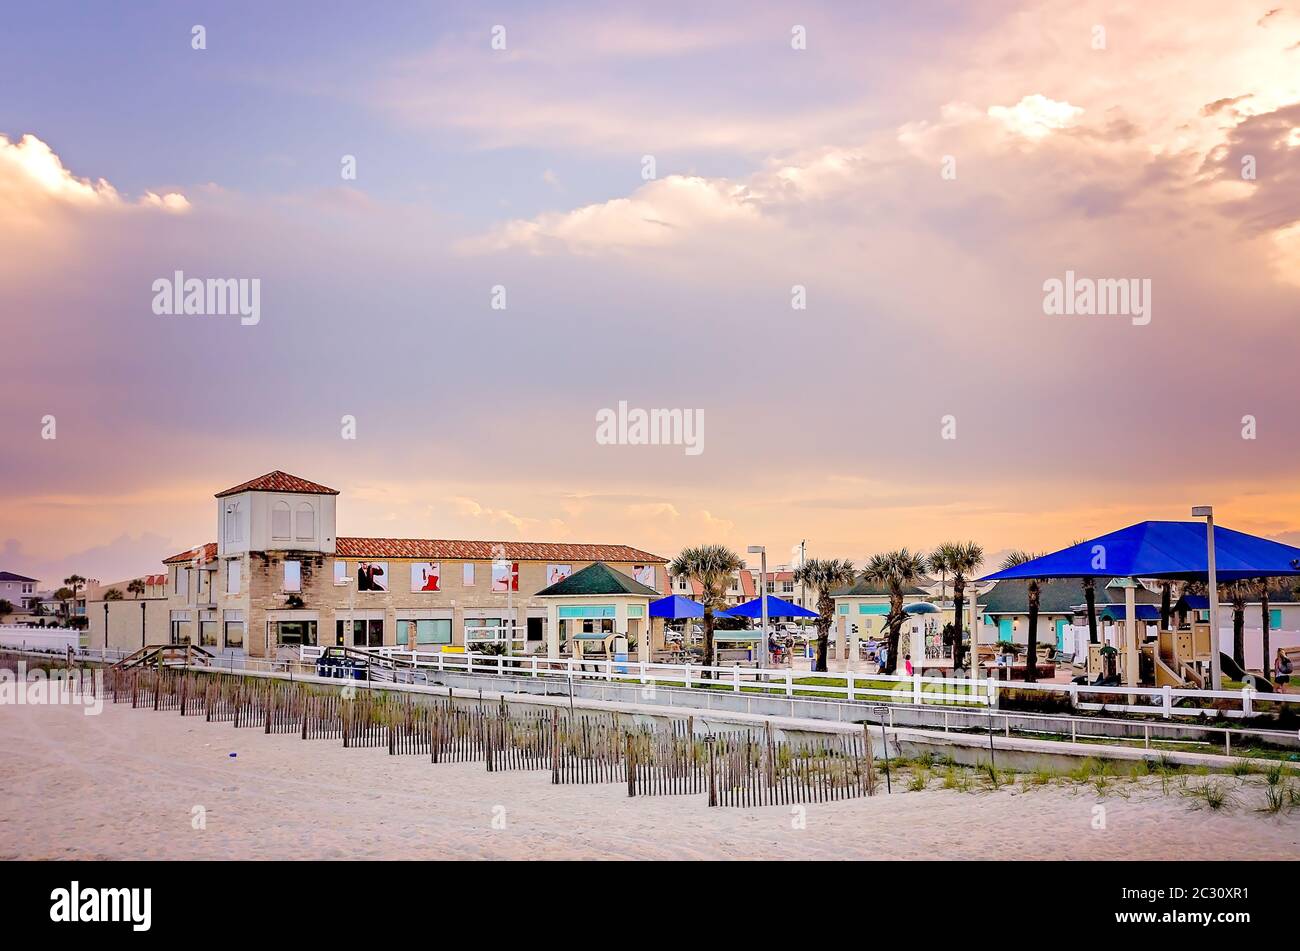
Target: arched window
305, 522
280, 520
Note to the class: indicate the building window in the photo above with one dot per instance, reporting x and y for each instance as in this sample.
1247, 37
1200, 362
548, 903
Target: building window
364, 633
468, 576
208, 629
505, 576
180, 627
182, 580
280, 520
601, 625
787, 587
427, 631
233, 531
294, 633
305, 522
234, 628
293, 576
232, 576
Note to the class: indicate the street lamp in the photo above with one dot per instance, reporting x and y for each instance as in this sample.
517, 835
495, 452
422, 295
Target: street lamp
760, 656
1212, 582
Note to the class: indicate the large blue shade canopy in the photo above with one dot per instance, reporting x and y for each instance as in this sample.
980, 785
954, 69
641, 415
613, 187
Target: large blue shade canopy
675, 607
776, 607
1174, 550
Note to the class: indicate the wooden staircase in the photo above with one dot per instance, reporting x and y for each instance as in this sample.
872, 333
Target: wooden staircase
166, 655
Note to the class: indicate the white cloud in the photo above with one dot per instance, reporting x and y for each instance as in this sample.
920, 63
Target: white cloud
655, 215
32, 175
1036, 116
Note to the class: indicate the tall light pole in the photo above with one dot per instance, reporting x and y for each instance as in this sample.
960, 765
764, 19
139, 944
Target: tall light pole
760, 656
1212, 583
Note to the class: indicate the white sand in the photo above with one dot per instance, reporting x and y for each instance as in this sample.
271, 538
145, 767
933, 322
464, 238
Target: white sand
123, 785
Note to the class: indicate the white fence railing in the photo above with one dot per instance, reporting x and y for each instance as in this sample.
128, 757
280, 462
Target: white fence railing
57, 639
920, 688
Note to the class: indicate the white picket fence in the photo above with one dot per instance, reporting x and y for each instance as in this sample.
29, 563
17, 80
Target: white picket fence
918, 689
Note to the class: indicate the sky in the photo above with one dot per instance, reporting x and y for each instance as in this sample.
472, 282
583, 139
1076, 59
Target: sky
651, 191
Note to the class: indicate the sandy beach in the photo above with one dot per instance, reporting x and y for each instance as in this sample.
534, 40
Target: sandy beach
128, 784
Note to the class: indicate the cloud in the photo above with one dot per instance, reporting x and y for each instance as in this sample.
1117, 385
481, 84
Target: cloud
656, 215
32, 174
1036, 116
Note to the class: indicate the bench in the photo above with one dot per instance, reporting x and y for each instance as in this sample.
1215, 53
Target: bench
733, 657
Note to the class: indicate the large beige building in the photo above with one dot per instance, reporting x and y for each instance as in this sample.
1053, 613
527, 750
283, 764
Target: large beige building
279, 576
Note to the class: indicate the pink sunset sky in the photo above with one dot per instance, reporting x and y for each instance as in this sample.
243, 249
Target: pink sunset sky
1109, 139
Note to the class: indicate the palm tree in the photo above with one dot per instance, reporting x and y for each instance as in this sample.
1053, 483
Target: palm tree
824, 575
1237, 592
1166, 603
712, 568
74, 582
961, 560
1261, 586
1090, 597
896, 570
135, 587
113, 594
64, 595
1014, 560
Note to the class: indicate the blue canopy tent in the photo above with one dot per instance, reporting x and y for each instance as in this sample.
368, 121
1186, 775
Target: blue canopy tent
776, 607
675, 608
1164, 550
1173, 550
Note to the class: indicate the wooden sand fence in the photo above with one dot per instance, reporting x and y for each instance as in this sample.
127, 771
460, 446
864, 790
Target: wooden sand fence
734, 769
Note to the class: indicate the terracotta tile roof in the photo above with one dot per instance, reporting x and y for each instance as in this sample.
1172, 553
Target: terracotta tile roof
347, 547
747, 585
154, 580
278, 481
208, 552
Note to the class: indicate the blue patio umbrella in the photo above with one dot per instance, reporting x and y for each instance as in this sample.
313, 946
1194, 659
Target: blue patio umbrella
921, 607
1173, 550
776, 607
675, 608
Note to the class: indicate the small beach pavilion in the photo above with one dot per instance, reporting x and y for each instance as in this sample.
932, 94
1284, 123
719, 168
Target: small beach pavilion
595, 605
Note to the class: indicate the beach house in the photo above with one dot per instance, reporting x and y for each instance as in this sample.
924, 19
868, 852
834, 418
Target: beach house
278, 576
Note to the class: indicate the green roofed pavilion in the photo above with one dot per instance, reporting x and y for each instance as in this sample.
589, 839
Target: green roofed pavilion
598, 604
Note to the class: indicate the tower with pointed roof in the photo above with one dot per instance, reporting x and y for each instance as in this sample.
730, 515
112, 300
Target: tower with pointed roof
276, 512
